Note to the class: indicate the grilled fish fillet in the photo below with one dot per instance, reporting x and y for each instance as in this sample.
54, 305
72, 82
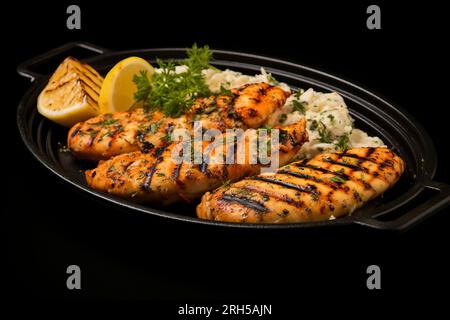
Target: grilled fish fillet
107, 135
156, 178
328, 185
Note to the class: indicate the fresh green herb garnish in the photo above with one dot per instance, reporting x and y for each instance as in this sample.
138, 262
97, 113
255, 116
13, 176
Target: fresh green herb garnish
155, 126
242, 192
337, 179
314, 124
226, 92
272, 81
331, 117
299, 92
299, 106
93, 134
343, 142
106, 134
168, 137
198, 58
143, 86
109, 121
324, 134
174, 93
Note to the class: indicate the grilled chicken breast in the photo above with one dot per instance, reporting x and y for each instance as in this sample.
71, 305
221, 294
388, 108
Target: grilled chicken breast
155, 177
107, 135
327, 185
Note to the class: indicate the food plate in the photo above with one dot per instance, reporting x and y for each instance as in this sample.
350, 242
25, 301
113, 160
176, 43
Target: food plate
415, 197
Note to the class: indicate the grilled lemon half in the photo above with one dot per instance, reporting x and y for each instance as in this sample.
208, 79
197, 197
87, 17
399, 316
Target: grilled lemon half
71, 94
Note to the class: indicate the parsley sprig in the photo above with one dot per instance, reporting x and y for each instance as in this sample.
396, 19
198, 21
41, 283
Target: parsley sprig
174, 93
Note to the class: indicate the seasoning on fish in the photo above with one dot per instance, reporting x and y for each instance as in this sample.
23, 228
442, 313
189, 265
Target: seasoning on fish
329, 185
156, 178
107, 135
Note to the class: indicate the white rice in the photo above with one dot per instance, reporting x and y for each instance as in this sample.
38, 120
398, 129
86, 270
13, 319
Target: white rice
327, 115
232, 79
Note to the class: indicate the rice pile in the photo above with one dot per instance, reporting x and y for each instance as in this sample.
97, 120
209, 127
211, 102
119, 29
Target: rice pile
330, 125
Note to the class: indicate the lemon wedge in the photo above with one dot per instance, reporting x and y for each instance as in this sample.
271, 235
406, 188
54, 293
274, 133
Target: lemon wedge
71, 94
117, 93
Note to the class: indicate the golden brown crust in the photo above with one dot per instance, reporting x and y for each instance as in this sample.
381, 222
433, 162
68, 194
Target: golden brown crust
155, 178
328, 185
107, 135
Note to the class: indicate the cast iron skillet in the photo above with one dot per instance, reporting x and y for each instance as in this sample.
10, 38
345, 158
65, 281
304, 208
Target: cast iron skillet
415, 197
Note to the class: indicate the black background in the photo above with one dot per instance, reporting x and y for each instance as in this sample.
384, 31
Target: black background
48, 225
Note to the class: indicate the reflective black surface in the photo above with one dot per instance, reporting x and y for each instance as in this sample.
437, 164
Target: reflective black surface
48, 225
373, 114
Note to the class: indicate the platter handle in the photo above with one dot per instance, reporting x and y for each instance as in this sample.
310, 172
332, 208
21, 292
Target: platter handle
438, 201
27, 68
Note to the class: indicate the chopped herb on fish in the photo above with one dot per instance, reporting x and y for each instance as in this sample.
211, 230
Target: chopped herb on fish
337, 179
109, 121
226, 92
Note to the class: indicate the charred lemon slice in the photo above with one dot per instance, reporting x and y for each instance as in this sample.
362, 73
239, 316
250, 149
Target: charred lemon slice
117, 93
71, 94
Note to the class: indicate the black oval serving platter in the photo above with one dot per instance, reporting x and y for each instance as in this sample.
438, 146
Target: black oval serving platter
415, 197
